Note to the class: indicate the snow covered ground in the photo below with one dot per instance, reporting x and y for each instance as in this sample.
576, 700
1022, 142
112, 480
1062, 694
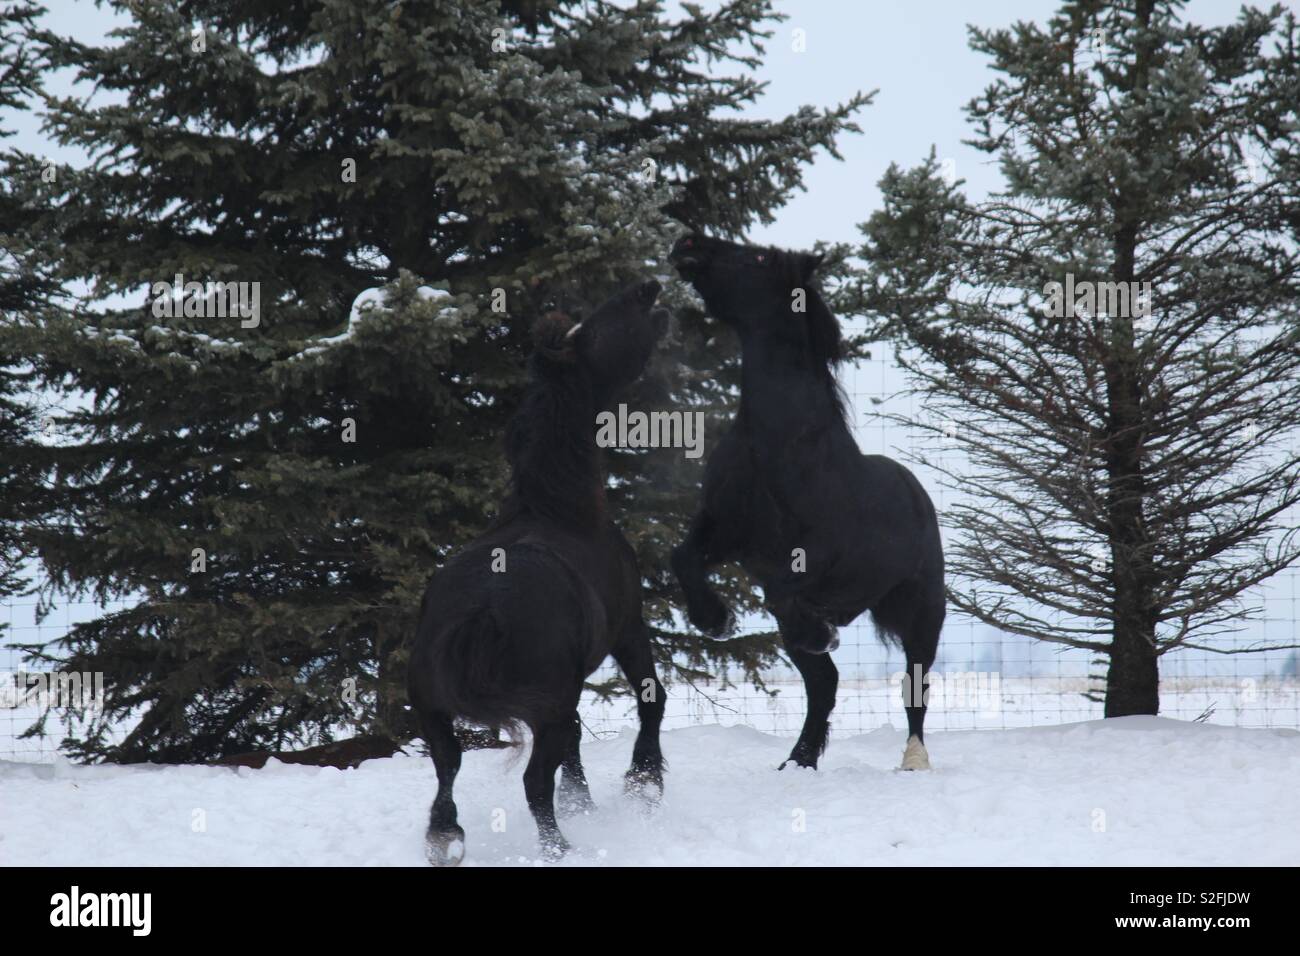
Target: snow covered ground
1122, 792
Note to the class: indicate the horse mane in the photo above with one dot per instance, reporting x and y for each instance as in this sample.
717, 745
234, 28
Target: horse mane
825, 343
550, 440
824, 339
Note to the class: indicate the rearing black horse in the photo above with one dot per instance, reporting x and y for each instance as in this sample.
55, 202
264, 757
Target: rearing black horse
828, 531
513, 624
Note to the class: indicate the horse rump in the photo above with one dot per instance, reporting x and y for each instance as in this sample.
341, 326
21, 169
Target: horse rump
461, 670
507, 653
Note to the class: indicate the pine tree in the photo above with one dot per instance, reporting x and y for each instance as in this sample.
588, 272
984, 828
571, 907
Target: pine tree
1113, 342
272, 492
20, 290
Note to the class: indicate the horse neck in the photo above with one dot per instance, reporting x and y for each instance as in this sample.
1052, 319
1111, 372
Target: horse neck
786, 394
556, 467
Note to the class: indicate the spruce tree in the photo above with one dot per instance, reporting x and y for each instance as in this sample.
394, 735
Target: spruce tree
1112, 342
20, 291
272, 495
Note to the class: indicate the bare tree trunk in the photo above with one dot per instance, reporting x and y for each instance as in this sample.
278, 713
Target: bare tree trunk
1133, 678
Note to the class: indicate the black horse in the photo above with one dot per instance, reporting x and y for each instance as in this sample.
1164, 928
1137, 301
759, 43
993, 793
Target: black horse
827, 531
513, 624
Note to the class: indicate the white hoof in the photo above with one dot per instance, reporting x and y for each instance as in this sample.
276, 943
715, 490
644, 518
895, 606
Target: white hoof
445, 848
915, 757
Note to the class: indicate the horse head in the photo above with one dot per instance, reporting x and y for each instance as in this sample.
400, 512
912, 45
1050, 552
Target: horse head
612, 345
760, 291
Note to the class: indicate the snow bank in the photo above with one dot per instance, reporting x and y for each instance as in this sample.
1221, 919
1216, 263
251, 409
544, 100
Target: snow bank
1135, 791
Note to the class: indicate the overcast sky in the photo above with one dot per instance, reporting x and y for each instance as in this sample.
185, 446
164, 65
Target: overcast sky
916, 55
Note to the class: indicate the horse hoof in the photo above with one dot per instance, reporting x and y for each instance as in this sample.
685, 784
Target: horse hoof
571, 804
803, 755
720, 626
445, 847
715, 619
798, 762
644, 786
554, 848
915, 756
729, 626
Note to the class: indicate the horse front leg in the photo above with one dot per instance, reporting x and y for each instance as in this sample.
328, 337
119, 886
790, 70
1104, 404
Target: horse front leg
691, 562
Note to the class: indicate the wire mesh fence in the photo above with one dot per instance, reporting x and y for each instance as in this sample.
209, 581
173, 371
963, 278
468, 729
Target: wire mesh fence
23, 683
985, 681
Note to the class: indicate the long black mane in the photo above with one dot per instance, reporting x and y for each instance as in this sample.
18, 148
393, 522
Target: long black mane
550, 440
824, 342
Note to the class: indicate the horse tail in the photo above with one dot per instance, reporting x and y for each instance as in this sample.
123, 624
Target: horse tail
461, 671
500, 653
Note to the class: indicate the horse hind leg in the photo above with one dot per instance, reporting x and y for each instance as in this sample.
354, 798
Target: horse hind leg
920, 638
444, 840
574, 795
550, 744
